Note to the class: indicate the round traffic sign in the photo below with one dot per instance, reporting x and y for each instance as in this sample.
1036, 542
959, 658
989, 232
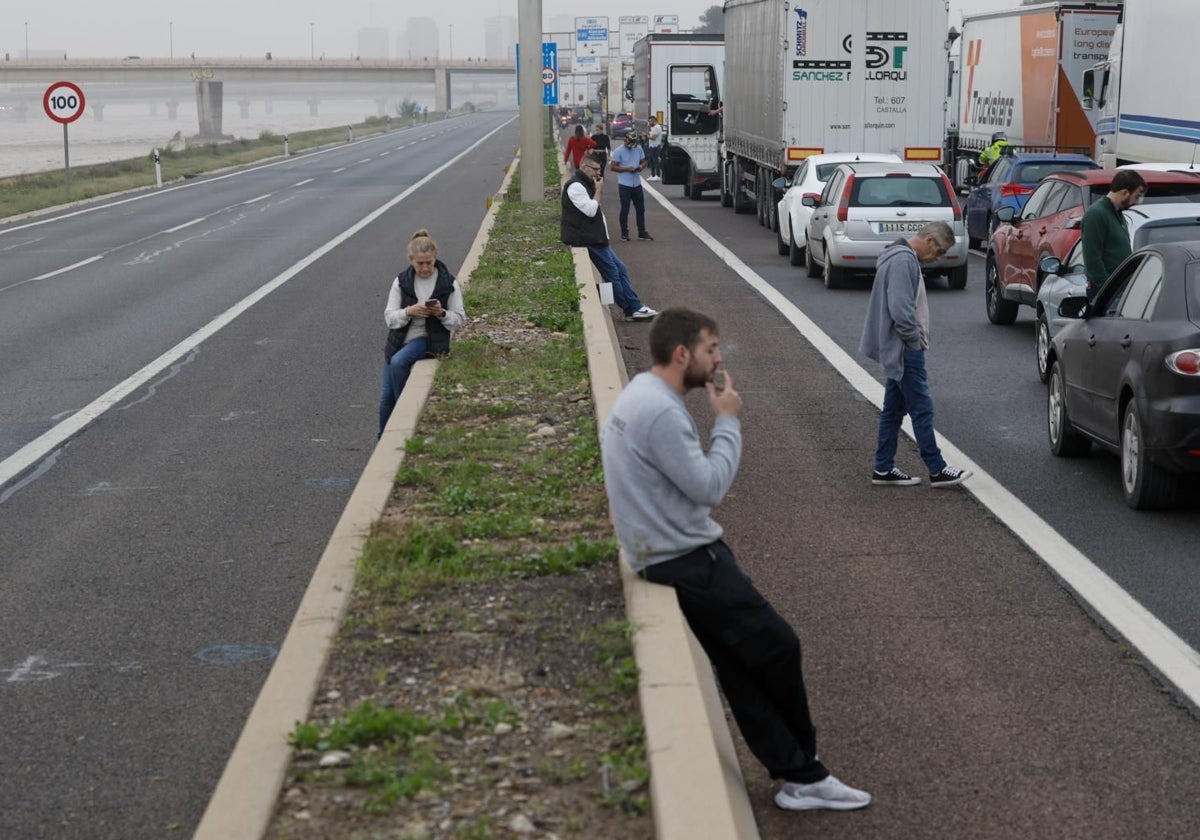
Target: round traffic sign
548, 75
63, 102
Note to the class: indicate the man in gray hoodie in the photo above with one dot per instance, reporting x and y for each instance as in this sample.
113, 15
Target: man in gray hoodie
662, 487
896, 334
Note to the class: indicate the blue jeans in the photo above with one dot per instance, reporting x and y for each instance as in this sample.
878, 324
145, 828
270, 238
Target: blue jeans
395, 375
908, 395
652, 158
612, 270
638, 197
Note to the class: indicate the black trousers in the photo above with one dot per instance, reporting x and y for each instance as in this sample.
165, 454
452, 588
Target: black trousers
636, 196
755, 654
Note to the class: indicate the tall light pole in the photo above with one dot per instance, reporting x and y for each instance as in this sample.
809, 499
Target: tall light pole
452, 42
26, 40
312, 44
171, 36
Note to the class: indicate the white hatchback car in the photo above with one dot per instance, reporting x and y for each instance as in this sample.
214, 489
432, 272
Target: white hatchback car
866, 206
809, 179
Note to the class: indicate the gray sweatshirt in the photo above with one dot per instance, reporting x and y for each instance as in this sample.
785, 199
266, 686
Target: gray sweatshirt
898, 311
661, 484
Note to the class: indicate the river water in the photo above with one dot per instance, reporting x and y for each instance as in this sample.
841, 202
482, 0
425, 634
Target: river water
134, 122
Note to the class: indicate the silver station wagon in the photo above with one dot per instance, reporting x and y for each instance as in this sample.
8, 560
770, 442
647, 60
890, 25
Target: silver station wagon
865, 206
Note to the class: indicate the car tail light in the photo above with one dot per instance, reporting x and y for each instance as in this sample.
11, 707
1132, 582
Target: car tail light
1185, 362
1013, 190
953, 198
843, 211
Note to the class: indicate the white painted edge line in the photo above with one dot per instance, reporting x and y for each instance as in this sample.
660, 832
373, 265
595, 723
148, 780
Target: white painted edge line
1167, 653
54, 273
185, 225
52, 438
245, 797
259, 198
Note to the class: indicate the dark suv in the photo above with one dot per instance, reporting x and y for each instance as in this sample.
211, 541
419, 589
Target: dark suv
1049, 224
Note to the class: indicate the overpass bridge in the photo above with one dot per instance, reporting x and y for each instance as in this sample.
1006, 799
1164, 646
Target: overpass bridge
208, 76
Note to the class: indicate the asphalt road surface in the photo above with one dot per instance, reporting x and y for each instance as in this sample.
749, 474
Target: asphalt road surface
990, 403
153, 561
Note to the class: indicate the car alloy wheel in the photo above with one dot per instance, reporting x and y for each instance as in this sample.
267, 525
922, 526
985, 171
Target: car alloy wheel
781, 247
999, 311
810, 265
796, 254
1065, 442
1145, 485
1042, 345
833, 275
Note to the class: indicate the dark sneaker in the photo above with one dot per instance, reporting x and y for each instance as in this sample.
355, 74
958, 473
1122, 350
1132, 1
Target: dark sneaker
624, 237
646, 236
643, 314
949, 477
894, 478
829, 793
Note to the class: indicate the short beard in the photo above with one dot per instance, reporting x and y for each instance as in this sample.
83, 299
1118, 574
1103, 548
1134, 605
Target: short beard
693, 379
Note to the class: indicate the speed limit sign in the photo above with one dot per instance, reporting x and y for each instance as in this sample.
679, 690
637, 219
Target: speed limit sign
548, 75
63, 102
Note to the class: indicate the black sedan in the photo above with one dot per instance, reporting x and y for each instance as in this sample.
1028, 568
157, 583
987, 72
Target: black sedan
1125, 373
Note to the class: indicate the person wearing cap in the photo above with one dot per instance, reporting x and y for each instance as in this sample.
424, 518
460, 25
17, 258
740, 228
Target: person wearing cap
628, 161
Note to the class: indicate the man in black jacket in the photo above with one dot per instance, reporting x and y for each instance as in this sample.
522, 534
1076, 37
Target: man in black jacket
583, 226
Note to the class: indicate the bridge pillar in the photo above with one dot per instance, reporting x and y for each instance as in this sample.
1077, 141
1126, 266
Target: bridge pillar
313, 105
154, 109
381, 106
244, 108
209, 105
441, 90
269, 105
98, 111
172, 109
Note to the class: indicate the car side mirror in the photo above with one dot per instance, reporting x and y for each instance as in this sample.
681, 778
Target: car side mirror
1073, 307
972, 180
809, 200
1050, 264
1006, 214
780, 183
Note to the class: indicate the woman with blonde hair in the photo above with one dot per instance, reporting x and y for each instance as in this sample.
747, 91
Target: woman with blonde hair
424, 307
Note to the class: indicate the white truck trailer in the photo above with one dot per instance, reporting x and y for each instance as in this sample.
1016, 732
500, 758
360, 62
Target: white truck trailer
816, 76
1022, 74
676, 80
1146, 96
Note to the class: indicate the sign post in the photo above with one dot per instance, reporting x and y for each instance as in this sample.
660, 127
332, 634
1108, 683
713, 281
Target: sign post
549, 73
63, 103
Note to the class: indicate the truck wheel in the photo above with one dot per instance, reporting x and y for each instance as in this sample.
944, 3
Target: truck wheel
810, 265
957, 278
741, 204
760, 199
834, 276
796, 254
999, 311
694, 190
772, 208
726, 185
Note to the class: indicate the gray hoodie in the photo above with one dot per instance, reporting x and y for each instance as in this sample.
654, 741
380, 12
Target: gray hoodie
897, 313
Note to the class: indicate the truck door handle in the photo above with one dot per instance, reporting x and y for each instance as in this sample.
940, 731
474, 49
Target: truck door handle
1125, 342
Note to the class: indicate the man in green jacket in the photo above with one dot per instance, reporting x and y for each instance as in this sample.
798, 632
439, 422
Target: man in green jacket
1105, 237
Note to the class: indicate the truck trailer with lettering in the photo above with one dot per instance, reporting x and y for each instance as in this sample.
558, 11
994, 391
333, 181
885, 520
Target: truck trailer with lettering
816, 76
1148, 111
677, 80
1022, 75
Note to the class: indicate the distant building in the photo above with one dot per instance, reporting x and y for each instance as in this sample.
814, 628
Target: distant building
422, 38
500, 37
373, 42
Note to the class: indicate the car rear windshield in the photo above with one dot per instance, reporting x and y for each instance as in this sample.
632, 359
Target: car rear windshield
1181, 230
899, 191
1157, 193
1031, 173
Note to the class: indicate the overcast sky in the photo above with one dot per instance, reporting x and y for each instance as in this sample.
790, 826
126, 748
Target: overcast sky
253, 27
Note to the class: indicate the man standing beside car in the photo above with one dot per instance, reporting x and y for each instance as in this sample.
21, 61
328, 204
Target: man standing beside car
628, 161
896, 334
1105, 238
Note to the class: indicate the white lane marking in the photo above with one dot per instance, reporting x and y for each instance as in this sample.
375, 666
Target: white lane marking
48, 441
364, 160
186, 225
305, 181
384, 154
259, 198
16, 245
54, 273
1170, 655
341, 169
193, 184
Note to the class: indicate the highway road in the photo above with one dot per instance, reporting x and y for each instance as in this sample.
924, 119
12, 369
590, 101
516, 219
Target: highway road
990, 403
190, 383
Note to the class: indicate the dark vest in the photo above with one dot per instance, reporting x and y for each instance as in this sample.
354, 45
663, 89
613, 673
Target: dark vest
439, 336
577, 229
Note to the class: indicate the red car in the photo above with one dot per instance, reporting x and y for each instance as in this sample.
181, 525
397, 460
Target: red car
1049, 224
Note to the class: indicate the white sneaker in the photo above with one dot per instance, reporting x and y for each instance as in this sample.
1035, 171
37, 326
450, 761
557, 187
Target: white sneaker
643, 314
829, 793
